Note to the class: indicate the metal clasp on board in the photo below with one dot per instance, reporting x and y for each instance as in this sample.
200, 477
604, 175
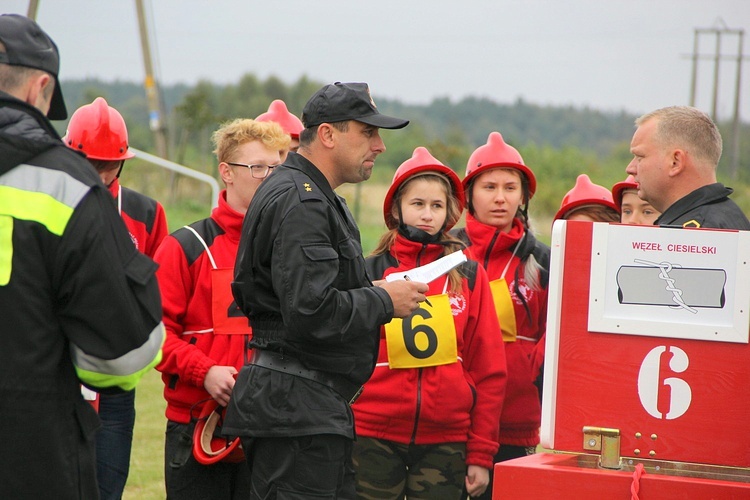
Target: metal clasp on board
605, 440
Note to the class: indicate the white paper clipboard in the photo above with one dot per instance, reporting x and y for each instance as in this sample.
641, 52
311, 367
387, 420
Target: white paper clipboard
431, 271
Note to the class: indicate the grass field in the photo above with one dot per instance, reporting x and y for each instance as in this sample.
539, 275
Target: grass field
146, 479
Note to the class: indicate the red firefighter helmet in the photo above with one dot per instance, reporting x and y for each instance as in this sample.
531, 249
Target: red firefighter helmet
98, 131
620, 187
278, 112
209, 448
585, 192
497, 154
421, 161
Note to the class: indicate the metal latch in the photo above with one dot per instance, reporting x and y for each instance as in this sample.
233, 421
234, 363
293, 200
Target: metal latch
605, 440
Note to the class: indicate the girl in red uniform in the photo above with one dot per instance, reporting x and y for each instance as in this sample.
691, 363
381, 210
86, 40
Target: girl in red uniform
498, 188
427, 419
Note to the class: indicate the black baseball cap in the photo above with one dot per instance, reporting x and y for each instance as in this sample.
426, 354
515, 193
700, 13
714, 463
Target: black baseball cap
26, 44
339, 102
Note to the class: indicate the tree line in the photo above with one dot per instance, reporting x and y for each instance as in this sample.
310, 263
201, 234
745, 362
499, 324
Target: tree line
558, 143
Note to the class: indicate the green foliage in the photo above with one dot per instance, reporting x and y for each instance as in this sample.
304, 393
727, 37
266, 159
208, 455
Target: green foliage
558, 143
195, 114
735, 165
196, 110
400, 145
520, 123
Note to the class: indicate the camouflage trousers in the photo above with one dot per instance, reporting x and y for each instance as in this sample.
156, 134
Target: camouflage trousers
384, 469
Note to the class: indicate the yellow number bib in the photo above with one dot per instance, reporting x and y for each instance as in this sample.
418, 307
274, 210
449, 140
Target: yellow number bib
506, 314
426, 338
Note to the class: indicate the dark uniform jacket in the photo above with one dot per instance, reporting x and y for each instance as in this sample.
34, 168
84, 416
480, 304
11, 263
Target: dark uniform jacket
300, 277
76, 297
708, 206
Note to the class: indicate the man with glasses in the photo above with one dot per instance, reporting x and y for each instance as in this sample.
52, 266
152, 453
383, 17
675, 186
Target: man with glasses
300, 277
206, 334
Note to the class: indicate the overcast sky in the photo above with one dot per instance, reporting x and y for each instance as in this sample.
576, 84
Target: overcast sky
605, 54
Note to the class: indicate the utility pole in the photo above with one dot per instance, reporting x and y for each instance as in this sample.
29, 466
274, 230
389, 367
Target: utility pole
33, 8
156, 114
736, 121
718, 31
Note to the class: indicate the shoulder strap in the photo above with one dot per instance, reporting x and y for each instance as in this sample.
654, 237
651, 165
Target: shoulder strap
469, 270
203, 242
197, 238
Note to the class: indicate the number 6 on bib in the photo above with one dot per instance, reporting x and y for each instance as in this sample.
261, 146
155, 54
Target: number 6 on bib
426, 338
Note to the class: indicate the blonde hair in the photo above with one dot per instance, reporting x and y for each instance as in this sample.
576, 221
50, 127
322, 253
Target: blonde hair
231, 135
687, 128
453, 214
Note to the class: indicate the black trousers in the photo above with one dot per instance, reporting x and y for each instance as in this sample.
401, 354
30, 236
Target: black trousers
297, 468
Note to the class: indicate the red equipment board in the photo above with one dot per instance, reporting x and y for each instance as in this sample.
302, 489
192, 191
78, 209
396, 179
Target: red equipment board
647, 348
546, 476
676, 399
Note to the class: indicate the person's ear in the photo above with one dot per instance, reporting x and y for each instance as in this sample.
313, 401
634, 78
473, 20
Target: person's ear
225, 172
327, 135
679, 160
394, 211
36, 95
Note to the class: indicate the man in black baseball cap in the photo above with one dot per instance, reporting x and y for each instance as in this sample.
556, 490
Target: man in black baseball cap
340, 102
24, 43
301, 279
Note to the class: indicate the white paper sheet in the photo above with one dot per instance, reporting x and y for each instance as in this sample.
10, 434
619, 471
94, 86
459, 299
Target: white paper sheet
431, 271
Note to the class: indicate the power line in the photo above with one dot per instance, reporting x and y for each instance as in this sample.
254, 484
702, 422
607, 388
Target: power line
718, 31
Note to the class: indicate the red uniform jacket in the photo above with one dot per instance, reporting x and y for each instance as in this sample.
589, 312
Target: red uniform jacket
143, 216
521, 413
185, 281
456, 402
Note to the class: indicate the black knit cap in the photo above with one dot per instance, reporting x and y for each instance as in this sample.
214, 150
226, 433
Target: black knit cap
26, 44
340, 102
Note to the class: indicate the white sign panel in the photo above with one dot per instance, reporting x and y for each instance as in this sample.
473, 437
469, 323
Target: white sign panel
670, 282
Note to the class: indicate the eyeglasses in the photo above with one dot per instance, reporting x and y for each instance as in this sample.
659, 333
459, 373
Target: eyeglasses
257, 170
